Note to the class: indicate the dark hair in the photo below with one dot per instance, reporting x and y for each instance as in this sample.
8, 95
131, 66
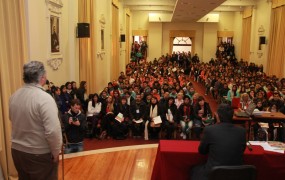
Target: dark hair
75, 102
186, 96
82, 83
93, 102
61, 88
225, 112
200, 98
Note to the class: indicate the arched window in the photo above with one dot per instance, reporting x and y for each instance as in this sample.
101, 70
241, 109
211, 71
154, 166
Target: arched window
182, 44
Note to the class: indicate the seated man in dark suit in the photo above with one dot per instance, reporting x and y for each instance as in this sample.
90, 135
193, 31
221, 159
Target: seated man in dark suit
223, 142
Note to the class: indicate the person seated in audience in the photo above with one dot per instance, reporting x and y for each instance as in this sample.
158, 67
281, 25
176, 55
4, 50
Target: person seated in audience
137, 115
190, 91
233, 93
116, 97
179, 100
74, 125
69, 90
223, 142
65, 99
57, 99
260, 97
223, 93
173, 92
121, 124
202, 114
194, 100
108, 118
82, 96
93, 115
185, 117
155, 94
244, 102
251, 95
153, 110
170, 118
275, 100
103, 96
128, 97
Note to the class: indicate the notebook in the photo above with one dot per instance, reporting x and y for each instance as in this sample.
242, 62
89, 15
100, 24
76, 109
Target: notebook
248, 112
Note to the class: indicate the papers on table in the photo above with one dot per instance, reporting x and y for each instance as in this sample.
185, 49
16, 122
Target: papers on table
257, 113
268, 146
157, 120
138, 121
120, 117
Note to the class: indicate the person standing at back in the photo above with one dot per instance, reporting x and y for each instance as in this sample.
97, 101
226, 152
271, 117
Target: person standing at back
36, 130
223, 142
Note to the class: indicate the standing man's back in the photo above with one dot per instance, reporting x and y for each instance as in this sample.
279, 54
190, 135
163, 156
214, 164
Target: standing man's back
36, 131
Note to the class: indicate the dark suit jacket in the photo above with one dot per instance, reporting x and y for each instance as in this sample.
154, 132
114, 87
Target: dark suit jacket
224, 143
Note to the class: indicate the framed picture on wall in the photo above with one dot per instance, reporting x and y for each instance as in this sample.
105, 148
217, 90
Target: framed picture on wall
54, 36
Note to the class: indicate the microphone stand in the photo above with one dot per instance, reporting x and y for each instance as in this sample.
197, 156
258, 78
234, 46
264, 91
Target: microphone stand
249, 146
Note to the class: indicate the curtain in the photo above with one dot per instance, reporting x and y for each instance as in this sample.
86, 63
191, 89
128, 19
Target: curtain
171, 39
276, 53
115, 43
245, 42
13, 55
87, 62
128, 22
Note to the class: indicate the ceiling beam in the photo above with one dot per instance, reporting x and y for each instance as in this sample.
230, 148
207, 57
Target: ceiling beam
229, 8
148, 3
151, 8
239, 3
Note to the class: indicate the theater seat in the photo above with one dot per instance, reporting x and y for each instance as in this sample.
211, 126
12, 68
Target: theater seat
243, 172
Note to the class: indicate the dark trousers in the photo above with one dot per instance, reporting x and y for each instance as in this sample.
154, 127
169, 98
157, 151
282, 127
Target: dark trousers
35, 166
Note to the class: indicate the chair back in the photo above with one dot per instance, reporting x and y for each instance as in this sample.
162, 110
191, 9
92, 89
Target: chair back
243, 172
235, 102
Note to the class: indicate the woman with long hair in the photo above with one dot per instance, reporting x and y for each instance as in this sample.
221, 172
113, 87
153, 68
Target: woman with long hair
93, 114
170, 118
202, 112
107, 117
152, 112
185, 117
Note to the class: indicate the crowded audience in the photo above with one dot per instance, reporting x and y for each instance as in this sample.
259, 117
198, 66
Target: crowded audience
130, 105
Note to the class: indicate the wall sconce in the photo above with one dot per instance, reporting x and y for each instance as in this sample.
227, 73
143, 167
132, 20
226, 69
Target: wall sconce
100, 54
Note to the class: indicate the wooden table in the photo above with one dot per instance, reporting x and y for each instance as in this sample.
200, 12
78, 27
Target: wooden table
273, 117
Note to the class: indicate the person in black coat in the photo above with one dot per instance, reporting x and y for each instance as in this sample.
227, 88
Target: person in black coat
121, 129
202, 112
153, 110
224, 143
137, 115
169, 118
74, 126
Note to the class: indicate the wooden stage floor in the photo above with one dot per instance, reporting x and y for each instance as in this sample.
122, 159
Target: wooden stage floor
129, 162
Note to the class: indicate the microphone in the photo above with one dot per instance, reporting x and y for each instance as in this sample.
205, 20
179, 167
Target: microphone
249, 146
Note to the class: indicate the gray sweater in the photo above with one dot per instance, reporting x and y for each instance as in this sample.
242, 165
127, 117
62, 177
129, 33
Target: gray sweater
35, 125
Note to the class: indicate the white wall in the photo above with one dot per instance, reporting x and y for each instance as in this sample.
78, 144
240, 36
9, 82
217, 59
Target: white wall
154, 40
38, 25
198, 27
226, 22
261, 17
209, 41
139, 20
103, 64
237, 33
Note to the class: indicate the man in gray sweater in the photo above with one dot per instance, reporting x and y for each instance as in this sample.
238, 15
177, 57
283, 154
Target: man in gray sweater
36, 130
